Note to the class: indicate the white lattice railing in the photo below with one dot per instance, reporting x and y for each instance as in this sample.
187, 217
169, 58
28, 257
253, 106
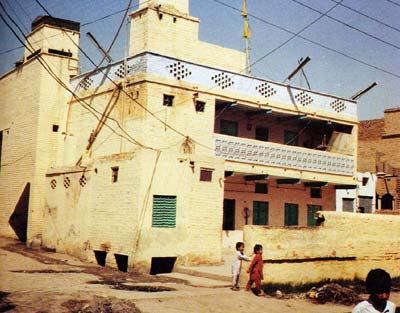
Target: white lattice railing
272, 154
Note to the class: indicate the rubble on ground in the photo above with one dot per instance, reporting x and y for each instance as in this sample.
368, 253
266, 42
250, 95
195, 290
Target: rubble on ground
334, 293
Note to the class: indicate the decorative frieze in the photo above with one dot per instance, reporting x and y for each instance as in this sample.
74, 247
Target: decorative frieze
273, 154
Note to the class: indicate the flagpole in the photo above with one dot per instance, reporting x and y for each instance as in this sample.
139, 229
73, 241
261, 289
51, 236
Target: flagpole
246, 36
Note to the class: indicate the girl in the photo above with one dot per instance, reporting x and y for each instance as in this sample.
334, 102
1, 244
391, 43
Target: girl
256, 270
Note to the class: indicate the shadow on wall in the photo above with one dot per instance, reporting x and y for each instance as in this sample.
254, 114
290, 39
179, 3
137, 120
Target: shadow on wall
19, 219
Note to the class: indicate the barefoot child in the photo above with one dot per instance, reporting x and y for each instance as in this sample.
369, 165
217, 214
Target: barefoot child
256, 270
237, 264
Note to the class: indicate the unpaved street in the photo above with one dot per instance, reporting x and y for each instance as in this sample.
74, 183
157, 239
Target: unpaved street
40, 281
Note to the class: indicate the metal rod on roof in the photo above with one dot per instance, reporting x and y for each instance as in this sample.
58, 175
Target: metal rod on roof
104, 52
299, 67
361, 92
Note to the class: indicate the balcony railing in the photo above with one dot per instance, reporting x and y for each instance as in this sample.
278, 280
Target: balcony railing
279, 155
216, 79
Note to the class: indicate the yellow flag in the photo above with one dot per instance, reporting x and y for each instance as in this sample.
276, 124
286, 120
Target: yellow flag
246, 28
244, 9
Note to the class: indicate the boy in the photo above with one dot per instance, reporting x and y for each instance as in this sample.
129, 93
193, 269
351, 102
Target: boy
378, 284
237, 264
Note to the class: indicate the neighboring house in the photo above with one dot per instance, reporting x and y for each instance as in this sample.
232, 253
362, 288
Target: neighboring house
378, 186
157, 154
378, 153
360, 198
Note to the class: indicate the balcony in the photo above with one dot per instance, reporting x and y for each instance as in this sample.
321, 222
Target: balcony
278, 155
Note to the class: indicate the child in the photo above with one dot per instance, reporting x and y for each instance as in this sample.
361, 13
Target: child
378, 285
237, 264
256, 270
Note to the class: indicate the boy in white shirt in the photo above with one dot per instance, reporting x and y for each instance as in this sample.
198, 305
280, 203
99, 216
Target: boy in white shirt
237, 264
378, 284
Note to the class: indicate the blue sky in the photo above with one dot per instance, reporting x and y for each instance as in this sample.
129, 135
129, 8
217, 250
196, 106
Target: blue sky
372, 37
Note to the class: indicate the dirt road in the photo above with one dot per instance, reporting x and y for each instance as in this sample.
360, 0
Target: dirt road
40, 281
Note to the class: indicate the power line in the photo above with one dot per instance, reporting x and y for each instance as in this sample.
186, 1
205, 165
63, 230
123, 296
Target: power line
137, 102
395, 3
48, 69
348, 25
310, 40
367, 16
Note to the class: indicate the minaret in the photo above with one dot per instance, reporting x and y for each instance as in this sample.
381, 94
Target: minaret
164, 27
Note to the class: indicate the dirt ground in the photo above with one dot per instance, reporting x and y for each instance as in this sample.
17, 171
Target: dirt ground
41, 281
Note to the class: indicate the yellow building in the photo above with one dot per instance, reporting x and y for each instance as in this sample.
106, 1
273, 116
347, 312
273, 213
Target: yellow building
164, 157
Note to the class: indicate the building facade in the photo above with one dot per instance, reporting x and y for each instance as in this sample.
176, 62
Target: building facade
160, 157
379, 143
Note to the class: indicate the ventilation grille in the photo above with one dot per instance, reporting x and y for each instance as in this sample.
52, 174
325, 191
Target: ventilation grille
222, 80
265, 90
178, 70
303, 98
120, 72
338, 105
86, 83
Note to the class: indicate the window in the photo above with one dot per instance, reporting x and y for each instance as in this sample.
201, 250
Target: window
114, 174
311, 210
347, 205
291, 214
168, 100
262, 133
200, 105
261, 188
206, 174
260, 213
315, 192
55, 128
291, 138
164, 211
229, 128
364, 181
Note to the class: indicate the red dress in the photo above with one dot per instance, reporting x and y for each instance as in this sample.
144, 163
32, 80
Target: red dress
256, 272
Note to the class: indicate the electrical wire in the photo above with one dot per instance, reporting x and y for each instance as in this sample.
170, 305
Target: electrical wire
367, 16
348, 25
392, 2
85, 105
308, 40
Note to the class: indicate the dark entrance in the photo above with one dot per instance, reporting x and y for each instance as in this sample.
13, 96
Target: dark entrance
162, 265
19, 219
229, 214
387, 202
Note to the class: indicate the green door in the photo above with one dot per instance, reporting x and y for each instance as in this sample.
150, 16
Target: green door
291, 214
311, 210
260, 213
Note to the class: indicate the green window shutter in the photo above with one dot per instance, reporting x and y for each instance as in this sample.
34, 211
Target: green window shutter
311, 210
260, 213
291, 138
164, 211
291, 214
229, 128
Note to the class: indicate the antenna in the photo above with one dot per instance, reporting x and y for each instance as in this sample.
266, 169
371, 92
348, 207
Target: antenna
305, 76
98, 46
361, 92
